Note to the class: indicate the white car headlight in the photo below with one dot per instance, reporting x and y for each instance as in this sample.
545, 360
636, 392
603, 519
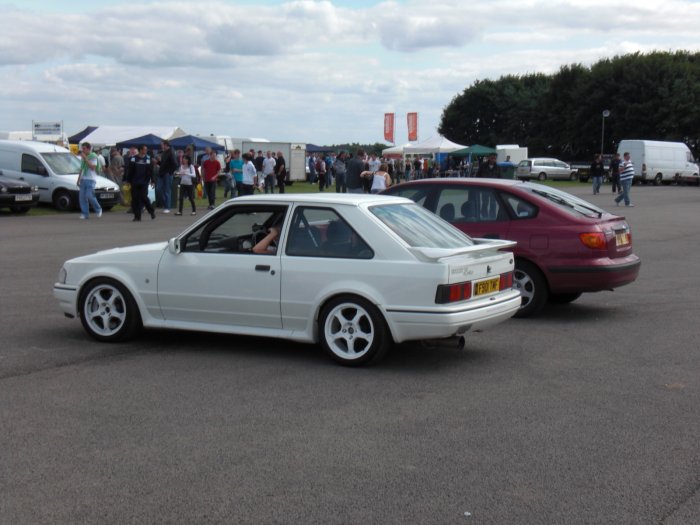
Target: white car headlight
62, 275
3, 189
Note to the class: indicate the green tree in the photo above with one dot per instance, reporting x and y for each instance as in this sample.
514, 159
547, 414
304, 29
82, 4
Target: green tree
652, 96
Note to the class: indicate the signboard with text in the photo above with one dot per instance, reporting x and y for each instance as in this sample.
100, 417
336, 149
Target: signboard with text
47, 130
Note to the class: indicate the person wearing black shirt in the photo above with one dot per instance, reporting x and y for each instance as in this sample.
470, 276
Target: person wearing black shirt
140, 174
280, 172
597, 172
164, 181
489, 169
354, 173
615, 174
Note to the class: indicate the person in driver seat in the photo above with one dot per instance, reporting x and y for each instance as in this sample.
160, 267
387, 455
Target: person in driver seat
265, 245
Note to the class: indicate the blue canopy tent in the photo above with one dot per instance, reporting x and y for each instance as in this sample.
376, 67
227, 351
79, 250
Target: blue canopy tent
150, 140
197, 142
75, 139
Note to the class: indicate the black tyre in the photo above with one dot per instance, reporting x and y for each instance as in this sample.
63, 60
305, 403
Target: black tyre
658, 179
19, 209
563, 298
542, 176
573, 176
63, 201
108, 311
533, 288
353, 331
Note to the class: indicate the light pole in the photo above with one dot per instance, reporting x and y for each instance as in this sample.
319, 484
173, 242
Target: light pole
606, 113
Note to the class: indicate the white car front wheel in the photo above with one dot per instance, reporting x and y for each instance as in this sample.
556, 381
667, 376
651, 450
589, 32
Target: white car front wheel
108, 312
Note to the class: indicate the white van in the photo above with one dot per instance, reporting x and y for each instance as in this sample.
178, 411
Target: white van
659, 162
54, 170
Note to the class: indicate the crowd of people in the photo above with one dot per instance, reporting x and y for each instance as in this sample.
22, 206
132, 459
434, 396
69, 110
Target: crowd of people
244, 173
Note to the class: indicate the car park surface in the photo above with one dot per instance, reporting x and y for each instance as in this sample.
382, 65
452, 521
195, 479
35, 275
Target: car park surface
585, 414
565, 245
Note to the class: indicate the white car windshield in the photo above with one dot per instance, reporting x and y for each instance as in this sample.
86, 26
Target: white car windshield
420, 228
62, 163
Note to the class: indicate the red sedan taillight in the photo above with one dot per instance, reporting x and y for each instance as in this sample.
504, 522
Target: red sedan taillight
593, 240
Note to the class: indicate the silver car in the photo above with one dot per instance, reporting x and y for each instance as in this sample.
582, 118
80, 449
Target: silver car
543, 168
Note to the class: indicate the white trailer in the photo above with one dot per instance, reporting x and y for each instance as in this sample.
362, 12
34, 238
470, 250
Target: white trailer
515, 152
660, 162
294, 154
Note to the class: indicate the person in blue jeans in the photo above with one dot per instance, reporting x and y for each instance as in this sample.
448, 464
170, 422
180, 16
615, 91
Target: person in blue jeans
164, 180
597, 173
87, 181
626, 177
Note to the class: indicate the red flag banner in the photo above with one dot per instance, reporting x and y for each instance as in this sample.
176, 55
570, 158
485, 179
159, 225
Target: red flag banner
389, 127
412, 121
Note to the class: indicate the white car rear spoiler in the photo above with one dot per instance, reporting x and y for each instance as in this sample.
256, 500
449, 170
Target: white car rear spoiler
480, 245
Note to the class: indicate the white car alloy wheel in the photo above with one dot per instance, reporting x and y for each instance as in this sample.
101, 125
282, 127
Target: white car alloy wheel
108, 311
352, 331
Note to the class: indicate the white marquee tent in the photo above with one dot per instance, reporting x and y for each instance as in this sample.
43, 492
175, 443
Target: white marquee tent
395, 150
435, 144
110, 135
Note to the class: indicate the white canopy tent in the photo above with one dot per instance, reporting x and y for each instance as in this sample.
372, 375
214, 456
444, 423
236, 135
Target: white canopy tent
435, 144
110, 135
395, 150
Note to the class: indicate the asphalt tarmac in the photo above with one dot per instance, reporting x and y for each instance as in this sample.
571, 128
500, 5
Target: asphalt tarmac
589, 413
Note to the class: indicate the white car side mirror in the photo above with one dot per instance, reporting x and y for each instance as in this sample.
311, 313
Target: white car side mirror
174, 246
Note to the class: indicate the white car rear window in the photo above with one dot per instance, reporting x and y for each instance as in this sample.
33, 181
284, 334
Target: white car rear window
420, 228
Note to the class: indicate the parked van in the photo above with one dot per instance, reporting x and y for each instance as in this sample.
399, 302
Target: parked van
544, 168
54, 170
659, 162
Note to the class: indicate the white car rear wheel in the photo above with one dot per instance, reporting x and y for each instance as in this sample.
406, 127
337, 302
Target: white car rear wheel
108, 312
352, 331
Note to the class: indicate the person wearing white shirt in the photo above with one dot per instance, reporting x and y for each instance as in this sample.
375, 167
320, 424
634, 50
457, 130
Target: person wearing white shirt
269, 172
249, 173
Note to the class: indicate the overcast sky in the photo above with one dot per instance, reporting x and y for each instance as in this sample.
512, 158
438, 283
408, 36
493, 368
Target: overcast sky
309, 71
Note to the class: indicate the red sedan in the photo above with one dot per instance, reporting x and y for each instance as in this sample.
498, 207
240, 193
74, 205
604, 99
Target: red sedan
566, 246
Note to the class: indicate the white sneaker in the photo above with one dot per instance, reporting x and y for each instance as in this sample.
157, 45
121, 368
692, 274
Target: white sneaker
166, 211
82, 217
99, 214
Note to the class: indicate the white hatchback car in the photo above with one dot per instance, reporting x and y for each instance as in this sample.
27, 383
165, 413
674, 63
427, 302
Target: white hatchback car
353, 272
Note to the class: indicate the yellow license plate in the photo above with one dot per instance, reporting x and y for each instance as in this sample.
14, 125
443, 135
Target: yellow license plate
622, 239
489, 286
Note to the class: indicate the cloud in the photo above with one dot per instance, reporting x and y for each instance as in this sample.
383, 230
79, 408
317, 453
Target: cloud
303, 70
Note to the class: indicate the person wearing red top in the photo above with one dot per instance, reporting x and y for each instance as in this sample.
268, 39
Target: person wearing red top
210, 170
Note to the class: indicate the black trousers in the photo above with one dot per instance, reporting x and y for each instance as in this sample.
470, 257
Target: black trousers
186, 191
211, 191
616, 186
139, 199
